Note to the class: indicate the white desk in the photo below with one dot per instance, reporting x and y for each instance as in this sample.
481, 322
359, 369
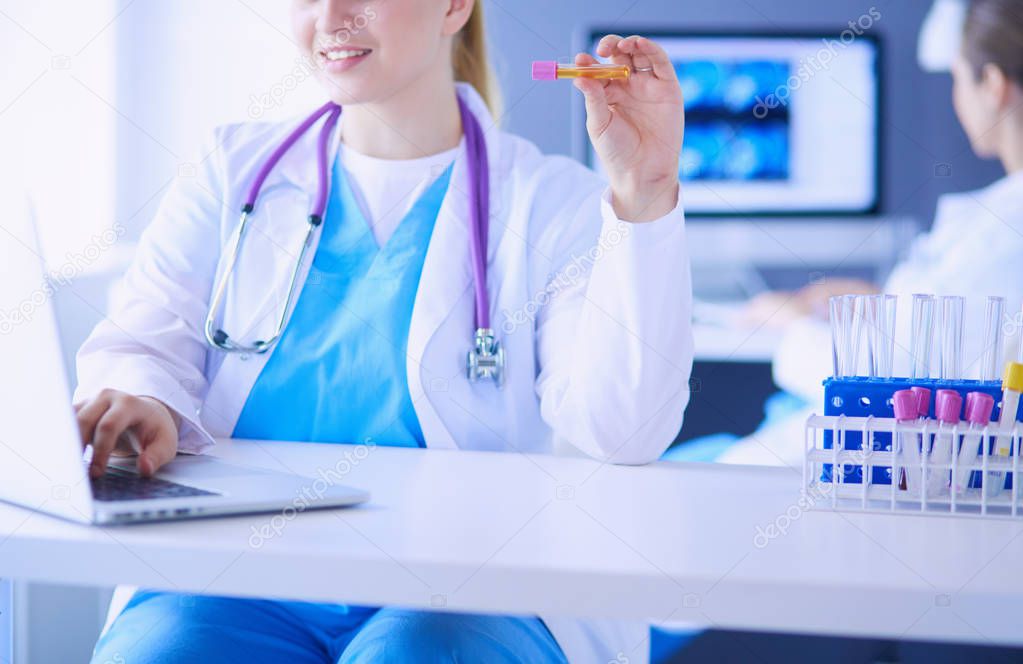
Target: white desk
510, 533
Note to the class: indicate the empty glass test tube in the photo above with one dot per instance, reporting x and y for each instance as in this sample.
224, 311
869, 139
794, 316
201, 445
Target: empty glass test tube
835, 312
951, 367
922, 336
858, 306
880, 323
846, 317
994, 339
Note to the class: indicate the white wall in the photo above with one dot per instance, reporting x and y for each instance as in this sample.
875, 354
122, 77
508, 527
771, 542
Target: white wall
56, 128
187, 66
101, 102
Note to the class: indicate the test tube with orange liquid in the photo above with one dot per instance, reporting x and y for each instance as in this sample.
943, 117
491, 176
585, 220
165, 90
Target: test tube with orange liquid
547, 70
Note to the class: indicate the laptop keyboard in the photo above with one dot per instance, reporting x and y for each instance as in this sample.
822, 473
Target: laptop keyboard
117, 485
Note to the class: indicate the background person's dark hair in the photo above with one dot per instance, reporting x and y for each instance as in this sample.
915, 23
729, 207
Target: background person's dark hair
994, 35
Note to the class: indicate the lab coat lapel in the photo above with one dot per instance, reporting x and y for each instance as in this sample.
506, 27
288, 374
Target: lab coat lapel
445, 281
445, 297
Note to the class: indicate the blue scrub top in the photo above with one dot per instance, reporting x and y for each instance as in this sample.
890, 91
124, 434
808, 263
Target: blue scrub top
338, 373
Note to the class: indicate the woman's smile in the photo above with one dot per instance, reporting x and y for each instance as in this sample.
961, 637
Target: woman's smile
337, 59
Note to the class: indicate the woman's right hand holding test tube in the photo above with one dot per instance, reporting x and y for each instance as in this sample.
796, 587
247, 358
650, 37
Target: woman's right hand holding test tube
636, 125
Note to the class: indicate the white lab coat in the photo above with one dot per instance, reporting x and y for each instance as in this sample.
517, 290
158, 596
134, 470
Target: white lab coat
600, 366
974, 249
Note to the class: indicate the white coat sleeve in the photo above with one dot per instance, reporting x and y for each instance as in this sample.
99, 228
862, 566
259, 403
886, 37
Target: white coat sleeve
151, 343
615, 341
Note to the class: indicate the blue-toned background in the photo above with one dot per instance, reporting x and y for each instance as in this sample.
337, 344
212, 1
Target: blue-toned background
724, 140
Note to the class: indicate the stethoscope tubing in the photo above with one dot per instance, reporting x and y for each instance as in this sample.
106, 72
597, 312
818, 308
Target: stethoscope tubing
479, 203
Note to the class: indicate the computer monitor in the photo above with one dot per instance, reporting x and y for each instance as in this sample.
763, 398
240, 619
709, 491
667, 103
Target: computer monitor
776, 124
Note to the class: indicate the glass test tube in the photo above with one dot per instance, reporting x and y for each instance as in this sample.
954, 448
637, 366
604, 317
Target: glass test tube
880, 322
857, 305
1018, 324
922, 338
951, 367
872, 316
547, 70
846, 313
993, 339
835, 319
890, 308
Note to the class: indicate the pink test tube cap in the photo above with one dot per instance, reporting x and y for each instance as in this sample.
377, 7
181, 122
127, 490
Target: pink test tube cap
979, 406
545, 70
924, 400
947, 406
906, 404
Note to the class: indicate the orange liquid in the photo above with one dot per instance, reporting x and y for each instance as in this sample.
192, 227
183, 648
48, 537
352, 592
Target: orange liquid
594, 71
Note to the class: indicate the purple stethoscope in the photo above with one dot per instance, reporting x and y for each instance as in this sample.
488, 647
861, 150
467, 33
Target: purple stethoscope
486, 358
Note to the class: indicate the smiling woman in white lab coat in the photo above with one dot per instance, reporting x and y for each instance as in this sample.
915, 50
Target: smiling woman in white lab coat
974, 249
589, 291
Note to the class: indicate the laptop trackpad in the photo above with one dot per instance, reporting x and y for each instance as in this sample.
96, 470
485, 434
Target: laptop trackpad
186, 467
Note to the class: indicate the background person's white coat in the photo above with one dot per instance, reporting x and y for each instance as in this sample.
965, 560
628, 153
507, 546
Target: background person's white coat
594, 314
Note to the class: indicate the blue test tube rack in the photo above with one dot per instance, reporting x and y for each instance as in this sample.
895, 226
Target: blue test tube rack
863, 397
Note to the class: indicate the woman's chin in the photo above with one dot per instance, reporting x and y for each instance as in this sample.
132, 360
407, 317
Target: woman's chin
349, 90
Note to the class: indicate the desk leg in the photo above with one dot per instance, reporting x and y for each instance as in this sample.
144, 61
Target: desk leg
6, 621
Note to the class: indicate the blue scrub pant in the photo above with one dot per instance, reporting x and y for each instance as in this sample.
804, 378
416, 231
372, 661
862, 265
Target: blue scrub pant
161, 627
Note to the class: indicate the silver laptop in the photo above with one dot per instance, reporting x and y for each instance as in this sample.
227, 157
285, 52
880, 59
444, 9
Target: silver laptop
41, 457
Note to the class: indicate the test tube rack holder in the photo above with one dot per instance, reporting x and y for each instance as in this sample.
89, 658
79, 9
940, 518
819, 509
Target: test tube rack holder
860, 409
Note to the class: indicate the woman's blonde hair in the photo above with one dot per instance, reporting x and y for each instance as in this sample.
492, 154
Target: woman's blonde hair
471, 62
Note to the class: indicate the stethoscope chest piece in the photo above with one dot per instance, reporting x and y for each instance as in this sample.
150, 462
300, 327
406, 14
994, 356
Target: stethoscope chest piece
485, 360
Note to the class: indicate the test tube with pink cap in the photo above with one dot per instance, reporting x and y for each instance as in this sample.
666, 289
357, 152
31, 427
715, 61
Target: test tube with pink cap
948, 405
979, 406
907, 447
